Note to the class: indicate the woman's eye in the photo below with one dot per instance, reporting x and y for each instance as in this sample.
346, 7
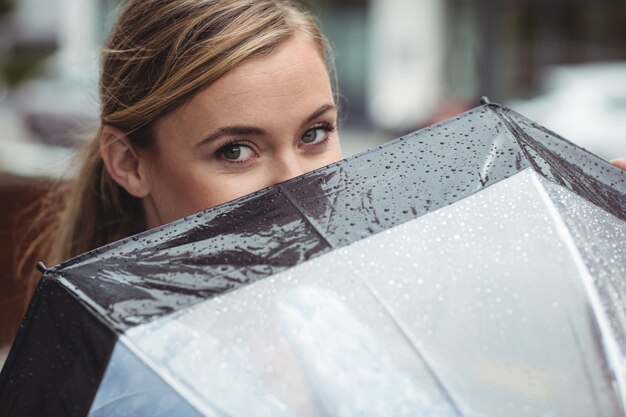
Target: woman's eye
315, 135
236, 152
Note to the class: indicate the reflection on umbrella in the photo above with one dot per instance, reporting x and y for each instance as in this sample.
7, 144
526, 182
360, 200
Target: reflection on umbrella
473, 268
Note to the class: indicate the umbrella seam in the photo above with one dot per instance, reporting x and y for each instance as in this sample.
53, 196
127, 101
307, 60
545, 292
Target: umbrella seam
516, 129
295, 204
612, 350
509, 125
405, 334
98, 311
178, 387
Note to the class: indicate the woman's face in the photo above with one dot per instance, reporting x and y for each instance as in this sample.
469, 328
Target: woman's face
266, 121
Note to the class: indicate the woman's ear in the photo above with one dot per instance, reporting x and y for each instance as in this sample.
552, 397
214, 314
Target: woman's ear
122, 162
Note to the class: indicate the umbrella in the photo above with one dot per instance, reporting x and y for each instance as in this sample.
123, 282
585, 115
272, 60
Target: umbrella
472, 268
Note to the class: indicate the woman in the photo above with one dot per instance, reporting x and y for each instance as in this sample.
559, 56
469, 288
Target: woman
201, 102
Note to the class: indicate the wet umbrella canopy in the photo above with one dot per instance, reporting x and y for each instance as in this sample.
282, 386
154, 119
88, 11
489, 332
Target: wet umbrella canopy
473, 268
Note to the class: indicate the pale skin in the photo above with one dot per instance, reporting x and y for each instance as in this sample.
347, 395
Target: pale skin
619, 162
267, 120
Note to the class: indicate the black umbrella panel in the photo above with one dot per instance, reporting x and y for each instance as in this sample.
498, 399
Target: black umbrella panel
473, 268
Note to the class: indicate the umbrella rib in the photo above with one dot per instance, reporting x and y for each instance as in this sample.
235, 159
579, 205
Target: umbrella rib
612, 351
572, 181
446, 391
295, 204
515, 131
581, 350
205, 408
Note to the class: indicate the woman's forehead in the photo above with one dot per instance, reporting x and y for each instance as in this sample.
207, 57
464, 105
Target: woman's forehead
295, 65
290, 81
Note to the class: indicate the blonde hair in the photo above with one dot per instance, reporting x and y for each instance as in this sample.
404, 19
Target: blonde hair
160, 53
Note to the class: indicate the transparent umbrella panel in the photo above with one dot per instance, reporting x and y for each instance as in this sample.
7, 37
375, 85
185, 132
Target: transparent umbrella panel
481, 308
474, 268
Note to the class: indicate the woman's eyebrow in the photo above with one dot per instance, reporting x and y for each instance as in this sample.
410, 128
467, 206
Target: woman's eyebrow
317, 113
231, 131
242, 130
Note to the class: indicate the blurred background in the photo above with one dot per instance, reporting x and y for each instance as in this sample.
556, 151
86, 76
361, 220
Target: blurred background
401, 65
